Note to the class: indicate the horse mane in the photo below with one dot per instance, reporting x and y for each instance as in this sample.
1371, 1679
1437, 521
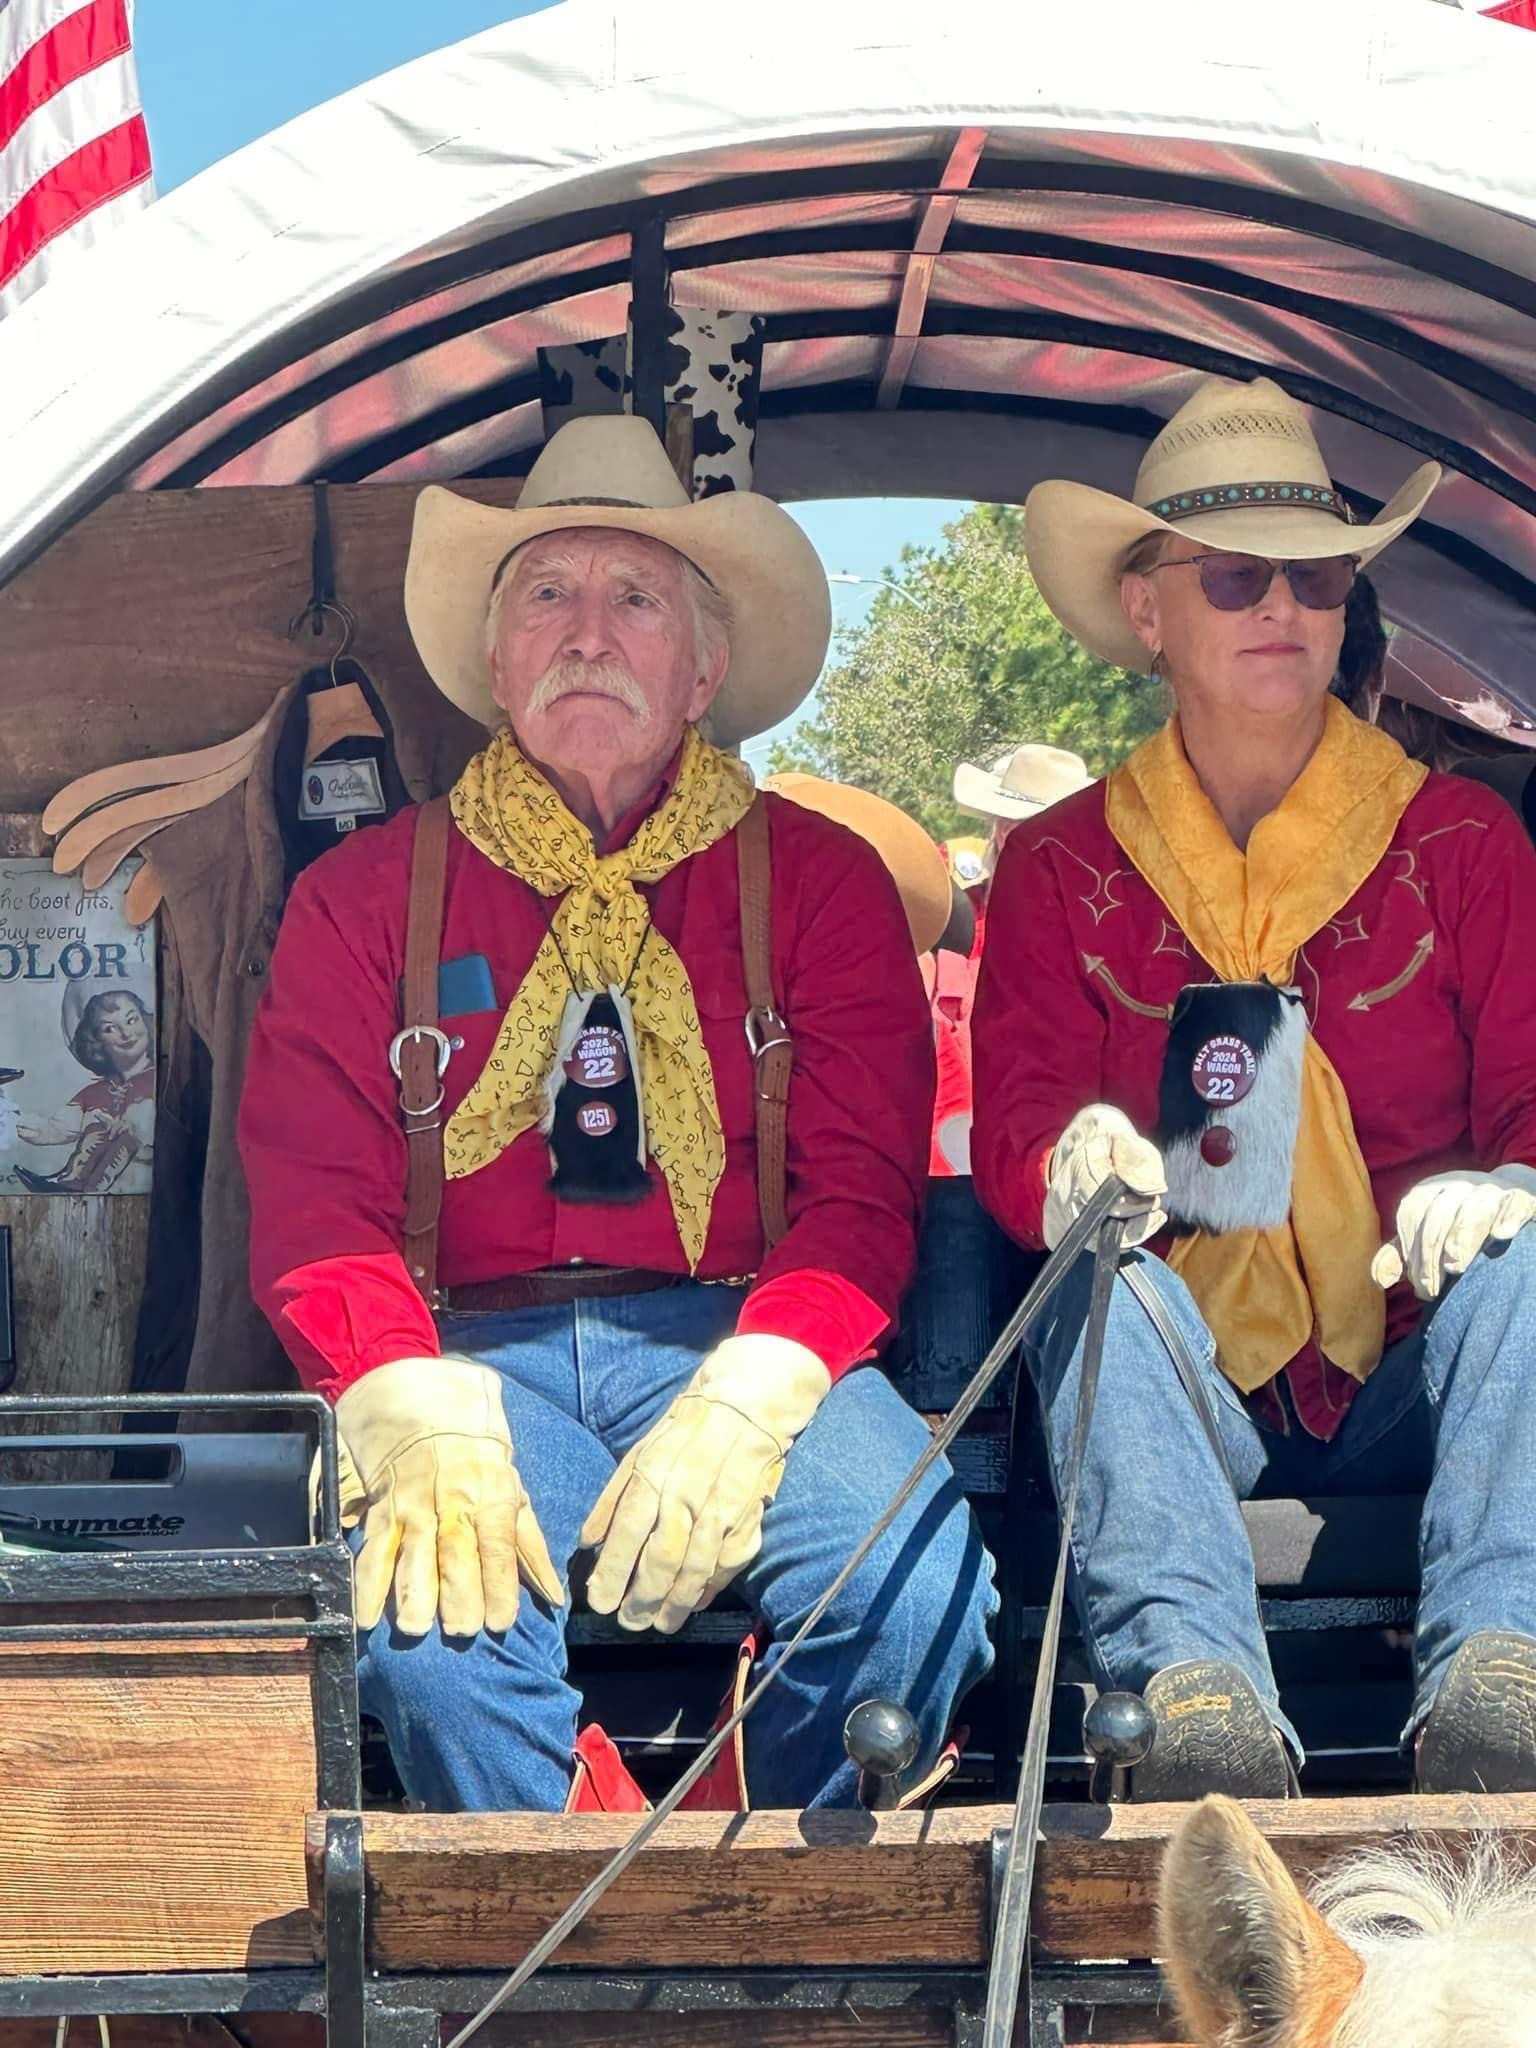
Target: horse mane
1383, 1896
1448, 1941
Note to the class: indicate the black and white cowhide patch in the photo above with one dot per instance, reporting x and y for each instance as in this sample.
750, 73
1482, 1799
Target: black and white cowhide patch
581, 378
1229, 1104
713, 364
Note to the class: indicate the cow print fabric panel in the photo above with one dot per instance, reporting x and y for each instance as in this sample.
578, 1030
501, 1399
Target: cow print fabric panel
713, 365
1230, 1104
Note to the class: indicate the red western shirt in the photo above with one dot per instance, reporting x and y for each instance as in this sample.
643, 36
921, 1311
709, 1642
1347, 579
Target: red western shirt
1422, 992
320, 1128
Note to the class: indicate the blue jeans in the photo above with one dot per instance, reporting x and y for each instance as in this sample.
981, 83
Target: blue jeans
488, 1724
1163, 1568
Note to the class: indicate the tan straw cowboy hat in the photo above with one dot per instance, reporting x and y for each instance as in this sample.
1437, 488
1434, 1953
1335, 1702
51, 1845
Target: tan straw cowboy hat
1237, 468
613, 471
914, 863
1017, 785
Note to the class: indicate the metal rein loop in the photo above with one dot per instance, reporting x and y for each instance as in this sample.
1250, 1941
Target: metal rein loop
1098, 1224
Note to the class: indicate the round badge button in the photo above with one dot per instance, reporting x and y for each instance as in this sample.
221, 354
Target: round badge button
596, 1119
598, 1059
1224, 1069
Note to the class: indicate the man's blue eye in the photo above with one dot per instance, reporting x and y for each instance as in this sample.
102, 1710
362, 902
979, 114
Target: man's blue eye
637, 597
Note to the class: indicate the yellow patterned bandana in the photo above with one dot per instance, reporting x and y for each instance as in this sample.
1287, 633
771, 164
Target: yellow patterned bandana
1264, 1293
601, 928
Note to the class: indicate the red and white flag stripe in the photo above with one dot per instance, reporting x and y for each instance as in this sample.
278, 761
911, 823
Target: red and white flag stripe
74, 152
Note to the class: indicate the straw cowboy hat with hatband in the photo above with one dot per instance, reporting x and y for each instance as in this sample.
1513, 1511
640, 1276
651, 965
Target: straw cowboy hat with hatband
914, 863
1236, 469
614, 472
1017, 785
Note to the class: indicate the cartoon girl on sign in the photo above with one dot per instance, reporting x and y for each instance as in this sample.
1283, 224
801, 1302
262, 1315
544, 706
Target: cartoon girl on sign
111, 1123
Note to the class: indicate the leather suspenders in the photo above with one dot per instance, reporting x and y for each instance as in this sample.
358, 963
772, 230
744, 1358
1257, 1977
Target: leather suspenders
418, 1053
767, 1033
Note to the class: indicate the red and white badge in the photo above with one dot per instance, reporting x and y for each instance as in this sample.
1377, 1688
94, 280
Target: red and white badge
596, 1119
1224, 1069
598, 1058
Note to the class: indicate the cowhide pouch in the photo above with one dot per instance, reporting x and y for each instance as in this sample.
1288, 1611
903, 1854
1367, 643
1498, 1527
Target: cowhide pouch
1230, 1103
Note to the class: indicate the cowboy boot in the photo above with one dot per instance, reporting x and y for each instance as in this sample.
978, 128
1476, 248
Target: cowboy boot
1481, 1731
1212, 1735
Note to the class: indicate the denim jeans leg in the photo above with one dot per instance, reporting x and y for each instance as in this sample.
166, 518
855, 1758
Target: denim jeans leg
488, 1724
910, 1626
1163, 1570
1477, 1539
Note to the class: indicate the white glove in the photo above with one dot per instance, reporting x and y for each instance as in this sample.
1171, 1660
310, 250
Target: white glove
1101, 1141
683, 1514
1444, 1222
447, 1521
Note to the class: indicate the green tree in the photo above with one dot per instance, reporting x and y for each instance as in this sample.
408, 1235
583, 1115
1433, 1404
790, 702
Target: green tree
966, 664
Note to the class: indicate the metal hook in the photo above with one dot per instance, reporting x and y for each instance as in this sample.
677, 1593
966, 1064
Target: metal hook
316, 611
322, 584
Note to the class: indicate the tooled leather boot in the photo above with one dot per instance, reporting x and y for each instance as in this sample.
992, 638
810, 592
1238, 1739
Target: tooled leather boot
1481, 1731
1213, 1735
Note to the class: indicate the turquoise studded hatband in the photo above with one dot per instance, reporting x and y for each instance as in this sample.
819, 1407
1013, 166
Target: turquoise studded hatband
1225, 497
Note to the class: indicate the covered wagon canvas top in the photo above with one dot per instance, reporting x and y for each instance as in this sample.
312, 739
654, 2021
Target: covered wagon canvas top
991, 244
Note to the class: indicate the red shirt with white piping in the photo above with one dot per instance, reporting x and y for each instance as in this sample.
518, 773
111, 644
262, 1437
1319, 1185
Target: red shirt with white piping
1422, 992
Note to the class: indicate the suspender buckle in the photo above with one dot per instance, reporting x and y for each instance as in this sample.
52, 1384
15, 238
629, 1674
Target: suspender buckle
766, 1032
766, 1029
414, 1034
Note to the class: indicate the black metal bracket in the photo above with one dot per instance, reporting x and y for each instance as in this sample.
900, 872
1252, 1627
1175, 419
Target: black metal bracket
344, 1919
7, 1312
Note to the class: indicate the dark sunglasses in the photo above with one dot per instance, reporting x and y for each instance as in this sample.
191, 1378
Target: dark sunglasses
1235, 583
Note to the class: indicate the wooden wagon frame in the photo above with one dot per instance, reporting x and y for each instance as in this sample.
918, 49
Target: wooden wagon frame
987, 247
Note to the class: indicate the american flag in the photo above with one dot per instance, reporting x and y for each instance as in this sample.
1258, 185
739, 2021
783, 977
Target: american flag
74, 153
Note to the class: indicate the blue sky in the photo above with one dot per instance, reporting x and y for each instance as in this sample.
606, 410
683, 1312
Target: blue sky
215, 74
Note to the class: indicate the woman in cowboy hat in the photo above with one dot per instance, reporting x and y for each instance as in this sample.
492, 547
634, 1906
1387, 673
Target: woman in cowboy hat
598, 1373
1280, 980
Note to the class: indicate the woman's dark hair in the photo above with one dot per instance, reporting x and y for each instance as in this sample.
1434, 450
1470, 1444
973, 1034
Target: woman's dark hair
86, 1044
1364, 652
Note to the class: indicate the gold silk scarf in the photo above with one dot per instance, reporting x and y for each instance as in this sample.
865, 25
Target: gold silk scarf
1264, 1293
601, 929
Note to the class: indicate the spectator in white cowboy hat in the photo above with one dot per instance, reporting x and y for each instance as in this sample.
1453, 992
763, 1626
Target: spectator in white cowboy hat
597, 1373
1280, 978
1018, 785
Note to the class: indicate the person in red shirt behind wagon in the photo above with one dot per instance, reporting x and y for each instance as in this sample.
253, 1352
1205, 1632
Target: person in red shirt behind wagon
1018, 785
614, 1358
1283, 979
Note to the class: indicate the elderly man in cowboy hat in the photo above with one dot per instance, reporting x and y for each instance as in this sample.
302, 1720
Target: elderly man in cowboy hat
1279, 979
626, 1350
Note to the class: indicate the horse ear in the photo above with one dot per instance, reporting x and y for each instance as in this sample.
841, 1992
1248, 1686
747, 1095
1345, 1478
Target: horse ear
1250, 1963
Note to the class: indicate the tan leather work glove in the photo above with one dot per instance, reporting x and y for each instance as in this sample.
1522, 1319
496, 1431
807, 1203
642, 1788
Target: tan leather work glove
352, 1495
1100, 1141
684, 1512
1444, 1222
447, 1519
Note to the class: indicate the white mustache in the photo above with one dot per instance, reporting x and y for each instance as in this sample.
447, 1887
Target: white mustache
610, 678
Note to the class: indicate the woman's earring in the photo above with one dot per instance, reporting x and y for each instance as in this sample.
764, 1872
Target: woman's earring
1155, 667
